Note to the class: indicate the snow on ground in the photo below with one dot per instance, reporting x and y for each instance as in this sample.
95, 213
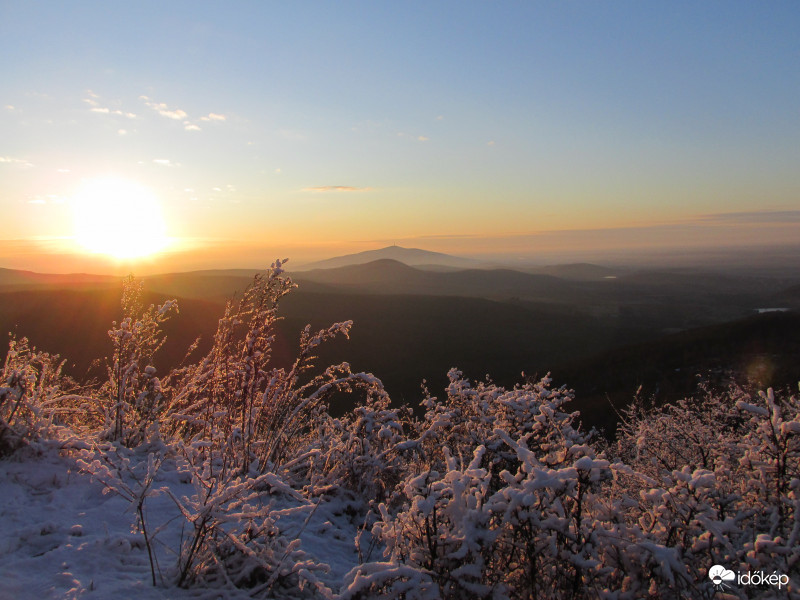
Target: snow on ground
61, 536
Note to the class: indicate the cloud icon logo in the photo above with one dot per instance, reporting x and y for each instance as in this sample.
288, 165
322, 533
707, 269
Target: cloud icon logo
719, 575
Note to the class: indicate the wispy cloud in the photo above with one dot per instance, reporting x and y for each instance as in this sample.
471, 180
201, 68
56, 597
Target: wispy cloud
164, 110
104, 110
336, 188
93, 100
18, 162
419, 138
416, 238
165, 162
214, 117
48, 199
754, 216
292, 135
178, 114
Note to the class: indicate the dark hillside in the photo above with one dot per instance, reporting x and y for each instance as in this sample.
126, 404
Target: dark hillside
585, 340
579, 271
74, 323
393, 277
761, 350
789, 298
17, 279
402, 339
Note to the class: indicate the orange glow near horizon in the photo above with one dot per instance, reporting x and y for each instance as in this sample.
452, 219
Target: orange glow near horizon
118, 218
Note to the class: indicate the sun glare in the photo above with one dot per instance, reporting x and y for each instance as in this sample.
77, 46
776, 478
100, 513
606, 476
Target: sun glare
118, 218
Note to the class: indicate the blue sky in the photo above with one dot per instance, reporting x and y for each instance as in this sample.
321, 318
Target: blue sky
326, 127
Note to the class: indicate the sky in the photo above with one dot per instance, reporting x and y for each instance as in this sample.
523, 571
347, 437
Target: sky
208, 134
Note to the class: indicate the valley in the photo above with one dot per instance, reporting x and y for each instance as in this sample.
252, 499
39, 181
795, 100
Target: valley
604, 331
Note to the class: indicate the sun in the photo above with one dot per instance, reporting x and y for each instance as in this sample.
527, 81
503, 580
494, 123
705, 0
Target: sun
118, 218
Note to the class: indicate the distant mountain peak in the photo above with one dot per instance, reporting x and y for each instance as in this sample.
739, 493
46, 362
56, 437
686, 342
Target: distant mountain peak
408, 256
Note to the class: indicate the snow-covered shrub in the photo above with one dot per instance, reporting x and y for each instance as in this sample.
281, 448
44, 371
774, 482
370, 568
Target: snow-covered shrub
252, 431
31, 393
232, 538
389, 581
446, 529
470, 416
235, 401
677, 494
547, 514
132, 397
696, 432
500, 501
718, 481
363, 451
462, 420
771, 457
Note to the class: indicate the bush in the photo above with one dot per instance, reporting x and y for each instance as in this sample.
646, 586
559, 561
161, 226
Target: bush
543, 512
365, 450
134, 399
719, 483
31, 392
256, 414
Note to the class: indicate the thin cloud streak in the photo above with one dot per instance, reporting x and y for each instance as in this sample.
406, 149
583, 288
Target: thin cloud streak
696, 233
336, 188
178, 114
12, 160
97, 108
164, 110
755, 216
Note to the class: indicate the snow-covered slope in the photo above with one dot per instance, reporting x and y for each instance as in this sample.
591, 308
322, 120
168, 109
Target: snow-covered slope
64, 536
